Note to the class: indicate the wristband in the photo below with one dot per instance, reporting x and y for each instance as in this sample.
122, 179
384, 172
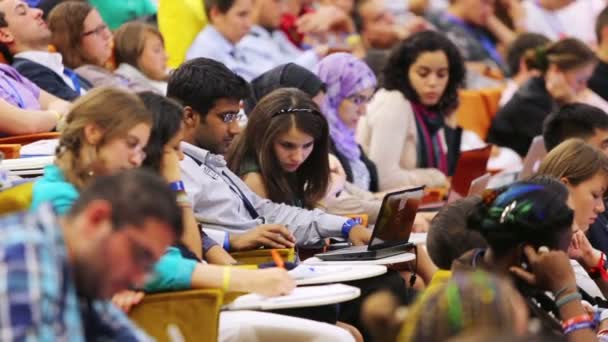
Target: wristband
226, 278
348, 226
599, 270
226, 243
576, 320
567, 299
177, 186
561, 291
578, 326
183, 200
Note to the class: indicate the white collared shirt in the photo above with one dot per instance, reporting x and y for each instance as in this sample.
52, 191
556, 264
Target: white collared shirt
210, 43
576, 20
265, 50
51, 60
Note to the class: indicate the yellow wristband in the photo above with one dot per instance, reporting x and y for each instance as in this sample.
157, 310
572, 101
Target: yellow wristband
226, 278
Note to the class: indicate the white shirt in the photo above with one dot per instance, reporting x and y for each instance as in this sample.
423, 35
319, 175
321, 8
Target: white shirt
51, 60
266, 50
576, 20
210, 43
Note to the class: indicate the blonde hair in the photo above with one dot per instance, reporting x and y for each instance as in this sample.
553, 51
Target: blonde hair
130, 40
114, 111
574, 160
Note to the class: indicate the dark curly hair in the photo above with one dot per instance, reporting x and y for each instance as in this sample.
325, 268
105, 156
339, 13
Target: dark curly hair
406, 53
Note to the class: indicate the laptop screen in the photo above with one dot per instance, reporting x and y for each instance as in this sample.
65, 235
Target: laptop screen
396, 218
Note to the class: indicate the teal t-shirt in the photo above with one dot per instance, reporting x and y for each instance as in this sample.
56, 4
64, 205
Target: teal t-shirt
54, 188
172, 272
118, 12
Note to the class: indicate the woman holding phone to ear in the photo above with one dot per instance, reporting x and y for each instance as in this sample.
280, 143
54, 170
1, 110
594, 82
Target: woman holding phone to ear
528, 227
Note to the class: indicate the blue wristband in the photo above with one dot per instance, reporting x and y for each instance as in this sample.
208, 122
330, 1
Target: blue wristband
177, 186
579, 326
348, 226
226, 244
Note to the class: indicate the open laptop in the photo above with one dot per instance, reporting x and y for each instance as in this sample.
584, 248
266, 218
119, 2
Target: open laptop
471, 166
535, 155
391, 232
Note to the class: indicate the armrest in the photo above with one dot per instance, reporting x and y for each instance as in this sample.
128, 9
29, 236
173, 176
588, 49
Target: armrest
10, 151
29, 138
260, 256
194, 312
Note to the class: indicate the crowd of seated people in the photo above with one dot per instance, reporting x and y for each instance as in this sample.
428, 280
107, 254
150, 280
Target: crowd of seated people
193, 132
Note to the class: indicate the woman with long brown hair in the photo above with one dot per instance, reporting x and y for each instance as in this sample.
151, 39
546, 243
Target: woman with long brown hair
282, 153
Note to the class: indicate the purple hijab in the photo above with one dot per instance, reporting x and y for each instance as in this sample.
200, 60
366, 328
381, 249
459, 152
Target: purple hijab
343, 75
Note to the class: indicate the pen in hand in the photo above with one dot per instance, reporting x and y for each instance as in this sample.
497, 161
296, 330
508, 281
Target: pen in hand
277, 258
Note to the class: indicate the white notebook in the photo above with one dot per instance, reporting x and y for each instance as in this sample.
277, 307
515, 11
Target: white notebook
26, 166
300, 297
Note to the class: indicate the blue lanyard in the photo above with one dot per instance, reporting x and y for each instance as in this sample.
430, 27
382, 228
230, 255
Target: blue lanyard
72, 75
485, 41
16, 95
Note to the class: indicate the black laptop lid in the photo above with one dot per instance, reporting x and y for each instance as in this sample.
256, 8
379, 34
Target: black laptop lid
396, 218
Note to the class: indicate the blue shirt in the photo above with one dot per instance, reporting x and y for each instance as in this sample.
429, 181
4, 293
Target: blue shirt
266, 49
210, 43
39, 296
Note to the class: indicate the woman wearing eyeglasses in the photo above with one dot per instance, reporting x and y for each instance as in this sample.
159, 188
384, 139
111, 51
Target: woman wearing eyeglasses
350, 84
86, 44
405, 131
105, 132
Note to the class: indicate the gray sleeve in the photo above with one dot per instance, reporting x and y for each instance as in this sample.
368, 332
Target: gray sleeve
308, 226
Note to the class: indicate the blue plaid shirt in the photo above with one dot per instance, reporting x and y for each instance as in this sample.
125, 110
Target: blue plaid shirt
38, 300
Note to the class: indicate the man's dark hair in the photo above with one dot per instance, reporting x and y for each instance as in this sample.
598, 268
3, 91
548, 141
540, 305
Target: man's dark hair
520, 45
575, 120
222, 5
135, 195
200, 82
449, 237
600, 22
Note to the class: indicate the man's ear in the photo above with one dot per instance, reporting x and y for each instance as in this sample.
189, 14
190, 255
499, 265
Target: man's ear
6, 36
93, 134
97, 215
214, 13
190, 118
565, 181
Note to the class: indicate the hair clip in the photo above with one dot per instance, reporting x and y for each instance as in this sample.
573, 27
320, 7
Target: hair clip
507, 210
295, 110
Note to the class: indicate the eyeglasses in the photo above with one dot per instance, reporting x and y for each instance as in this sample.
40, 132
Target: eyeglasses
96, 31
230, 117
358, 99
143, 258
